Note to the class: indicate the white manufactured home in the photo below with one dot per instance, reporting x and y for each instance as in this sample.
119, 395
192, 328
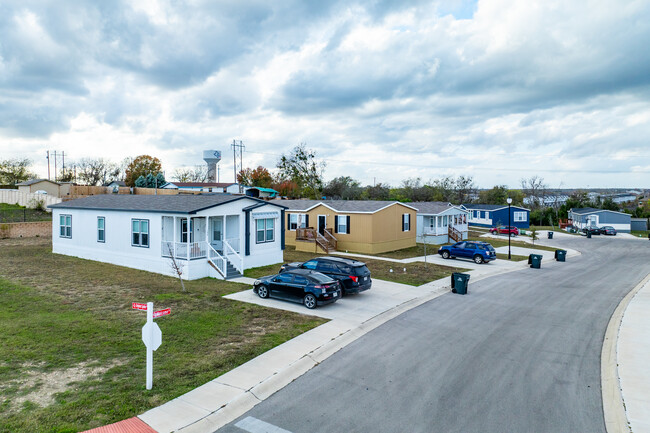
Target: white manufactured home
209, 235
440, 222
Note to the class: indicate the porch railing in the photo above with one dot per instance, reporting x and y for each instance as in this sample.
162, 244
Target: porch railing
234, 244
233, 257
184, 250
331, 239
217, 261
305, 234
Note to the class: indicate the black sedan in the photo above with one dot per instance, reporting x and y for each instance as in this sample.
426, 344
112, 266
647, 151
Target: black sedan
352, 275
301, 285
591, 229
608, 230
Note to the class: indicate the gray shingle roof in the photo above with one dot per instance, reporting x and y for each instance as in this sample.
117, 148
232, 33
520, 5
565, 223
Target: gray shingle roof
430, 207
154, 203
33, 181
340, 205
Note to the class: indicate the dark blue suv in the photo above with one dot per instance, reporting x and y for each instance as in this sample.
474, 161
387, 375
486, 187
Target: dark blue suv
480, 252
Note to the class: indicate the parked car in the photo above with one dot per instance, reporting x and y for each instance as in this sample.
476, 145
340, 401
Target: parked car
299, 285
480, 252
591, 229
608, 230
353, 275
505, 230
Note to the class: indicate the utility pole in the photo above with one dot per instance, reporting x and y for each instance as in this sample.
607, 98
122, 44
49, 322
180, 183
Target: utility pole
63, 158
48, 165
55, 166
238, 145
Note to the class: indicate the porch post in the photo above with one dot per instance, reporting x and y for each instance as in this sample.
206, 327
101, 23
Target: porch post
247, 232
207, 228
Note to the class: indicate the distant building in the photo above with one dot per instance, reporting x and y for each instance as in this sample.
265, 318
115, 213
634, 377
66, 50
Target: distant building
547, 201
583, 217
259, 192
40, 185
231, 188
492, 215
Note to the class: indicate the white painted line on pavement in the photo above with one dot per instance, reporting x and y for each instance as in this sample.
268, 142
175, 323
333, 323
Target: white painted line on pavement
254, 425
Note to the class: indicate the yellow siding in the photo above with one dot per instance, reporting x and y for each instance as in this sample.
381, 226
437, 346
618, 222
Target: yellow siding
369, 233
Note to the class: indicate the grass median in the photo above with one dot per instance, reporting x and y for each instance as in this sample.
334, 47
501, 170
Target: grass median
414, 274
71, 355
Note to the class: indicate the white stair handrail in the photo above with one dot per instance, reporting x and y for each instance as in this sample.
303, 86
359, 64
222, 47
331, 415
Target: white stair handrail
233, 257
217, 259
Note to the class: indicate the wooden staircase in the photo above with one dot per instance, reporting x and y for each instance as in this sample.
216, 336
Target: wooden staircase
455, 234
326, 241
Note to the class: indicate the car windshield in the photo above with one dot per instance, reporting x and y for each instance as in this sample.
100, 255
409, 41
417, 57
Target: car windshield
323, 279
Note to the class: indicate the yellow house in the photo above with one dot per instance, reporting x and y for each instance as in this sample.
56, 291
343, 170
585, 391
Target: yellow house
362, 226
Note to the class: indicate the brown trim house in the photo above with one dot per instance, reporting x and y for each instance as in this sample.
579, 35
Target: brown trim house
362, 226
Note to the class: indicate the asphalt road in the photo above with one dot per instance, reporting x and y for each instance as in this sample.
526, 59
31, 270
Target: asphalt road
520, 353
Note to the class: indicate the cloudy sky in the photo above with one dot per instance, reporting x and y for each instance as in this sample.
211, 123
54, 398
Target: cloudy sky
383, 90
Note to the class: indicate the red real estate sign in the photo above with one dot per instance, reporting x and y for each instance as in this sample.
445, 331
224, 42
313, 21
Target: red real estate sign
138, 306
164, 312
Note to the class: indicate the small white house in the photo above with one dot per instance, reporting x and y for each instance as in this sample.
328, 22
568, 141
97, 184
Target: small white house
439, 222
211, 235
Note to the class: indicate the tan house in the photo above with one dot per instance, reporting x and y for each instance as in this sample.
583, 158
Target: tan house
34, 185
361, 226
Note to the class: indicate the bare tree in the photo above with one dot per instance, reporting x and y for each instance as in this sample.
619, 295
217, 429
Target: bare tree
97, 171
176, 266
534, 188
198, 173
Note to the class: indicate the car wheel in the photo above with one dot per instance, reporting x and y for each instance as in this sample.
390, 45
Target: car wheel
478, 259
309, 301
262, 291
445, 254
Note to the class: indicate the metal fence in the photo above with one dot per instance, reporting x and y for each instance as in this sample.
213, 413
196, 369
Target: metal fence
23, 215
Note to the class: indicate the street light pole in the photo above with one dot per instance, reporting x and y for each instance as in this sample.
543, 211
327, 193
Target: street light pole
509, 200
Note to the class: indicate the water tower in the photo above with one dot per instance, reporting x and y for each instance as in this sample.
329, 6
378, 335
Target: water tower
212, 157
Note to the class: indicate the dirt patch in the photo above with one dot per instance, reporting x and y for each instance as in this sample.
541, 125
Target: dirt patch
40, 387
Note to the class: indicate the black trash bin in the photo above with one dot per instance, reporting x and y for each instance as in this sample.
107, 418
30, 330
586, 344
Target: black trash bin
535, 261
560, 255
459, 283
550, 235
589, 234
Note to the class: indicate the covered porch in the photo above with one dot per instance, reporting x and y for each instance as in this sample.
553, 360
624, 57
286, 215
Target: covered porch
215, 238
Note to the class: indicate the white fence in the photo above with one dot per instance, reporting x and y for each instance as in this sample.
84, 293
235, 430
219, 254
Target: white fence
11, 196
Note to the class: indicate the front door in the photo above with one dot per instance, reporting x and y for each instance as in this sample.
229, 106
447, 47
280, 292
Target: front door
322, 219
216, 233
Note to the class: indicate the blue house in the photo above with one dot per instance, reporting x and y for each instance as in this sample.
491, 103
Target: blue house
588, 216
492, 215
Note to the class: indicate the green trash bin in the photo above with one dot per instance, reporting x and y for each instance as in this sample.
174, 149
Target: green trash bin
550, 235
459, 283
535, 261
560, 255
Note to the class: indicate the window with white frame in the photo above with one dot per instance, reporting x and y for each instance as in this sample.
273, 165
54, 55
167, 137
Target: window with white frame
519, 216
65, 226
342, 224
264, 230
297, 221
101, 229
432, 222
406, 222
140, 233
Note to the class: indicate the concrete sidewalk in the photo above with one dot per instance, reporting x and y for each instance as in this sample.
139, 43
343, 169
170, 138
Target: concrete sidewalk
633, 356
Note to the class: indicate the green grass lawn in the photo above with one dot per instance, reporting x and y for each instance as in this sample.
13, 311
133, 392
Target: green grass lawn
640, 233
71, 355
416, 274
10, 213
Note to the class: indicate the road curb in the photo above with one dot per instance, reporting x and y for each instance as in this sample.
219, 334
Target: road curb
613, 406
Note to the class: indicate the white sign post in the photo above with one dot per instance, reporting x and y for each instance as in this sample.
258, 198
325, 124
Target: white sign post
151, 335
